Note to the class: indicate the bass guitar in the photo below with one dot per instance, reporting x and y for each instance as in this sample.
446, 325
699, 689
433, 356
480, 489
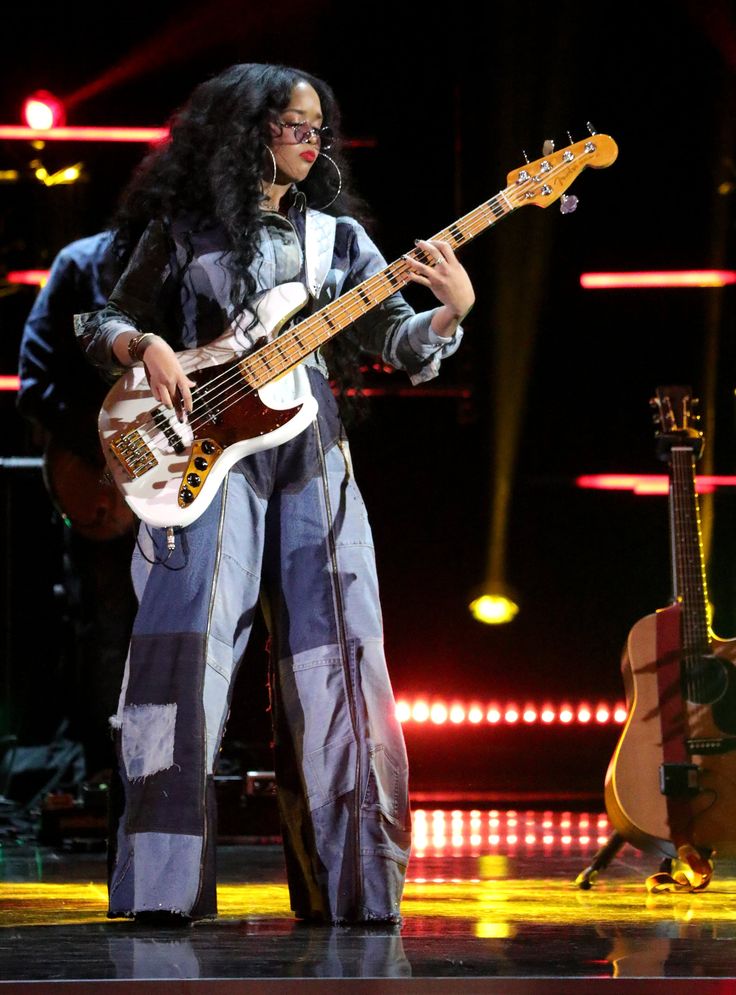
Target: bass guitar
671, 784
169, 471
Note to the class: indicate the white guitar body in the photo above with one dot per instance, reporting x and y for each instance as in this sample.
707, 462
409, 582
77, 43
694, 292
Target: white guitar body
169, 471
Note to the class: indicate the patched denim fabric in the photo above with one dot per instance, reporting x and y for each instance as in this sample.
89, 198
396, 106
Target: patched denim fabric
290, 526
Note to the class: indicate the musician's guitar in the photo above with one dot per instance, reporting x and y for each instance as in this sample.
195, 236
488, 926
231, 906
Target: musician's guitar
672, 780
169, 471
82, 494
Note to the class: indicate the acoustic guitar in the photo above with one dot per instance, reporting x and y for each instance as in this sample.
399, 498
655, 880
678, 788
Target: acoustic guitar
169, 471
671, 783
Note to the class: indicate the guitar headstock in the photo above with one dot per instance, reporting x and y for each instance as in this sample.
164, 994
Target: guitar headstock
675, 417
543, 181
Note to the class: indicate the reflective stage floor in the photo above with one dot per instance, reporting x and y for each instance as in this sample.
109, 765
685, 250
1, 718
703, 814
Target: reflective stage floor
490, 906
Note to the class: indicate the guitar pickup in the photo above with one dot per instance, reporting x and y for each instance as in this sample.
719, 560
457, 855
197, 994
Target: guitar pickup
679, 780
161, 418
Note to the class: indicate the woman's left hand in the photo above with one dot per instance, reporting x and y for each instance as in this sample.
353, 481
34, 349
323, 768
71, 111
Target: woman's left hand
447, 279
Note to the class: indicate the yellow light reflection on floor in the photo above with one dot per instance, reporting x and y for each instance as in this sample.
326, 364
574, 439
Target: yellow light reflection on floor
495, 908
556, 901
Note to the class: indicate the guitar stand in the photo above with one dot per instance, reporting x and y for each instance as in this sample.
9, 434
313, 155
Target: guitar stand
586, 879
602, 859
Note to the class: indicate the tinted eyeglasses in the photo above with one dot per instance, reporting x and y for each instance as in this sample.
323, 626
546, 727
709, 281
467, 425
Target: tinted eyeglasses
303, 131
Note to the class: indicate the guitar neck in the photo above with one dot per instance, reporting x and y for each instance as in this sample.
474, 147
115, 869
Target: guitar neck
688, 560
294, 345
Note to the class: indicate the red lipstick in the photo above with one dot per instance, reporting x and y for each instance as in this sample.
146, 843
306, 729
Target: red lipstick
308, 155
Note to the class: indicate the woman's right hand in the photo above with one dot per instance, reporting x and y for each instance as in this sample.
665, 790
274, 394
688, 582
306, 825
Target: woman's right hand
166, 378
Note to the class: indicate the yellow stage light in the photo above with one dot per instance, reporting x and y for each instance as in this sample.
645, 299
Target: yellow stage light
493, 609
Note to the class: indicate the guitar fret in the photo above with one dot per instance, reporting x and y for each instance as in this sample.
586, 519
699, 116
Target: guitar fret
689, 553
496, 208
320, 327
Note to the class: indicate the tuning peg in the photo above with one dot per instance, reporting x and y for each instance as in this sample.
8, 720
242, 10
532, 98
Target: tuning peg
548, 147
568, 203
590, 128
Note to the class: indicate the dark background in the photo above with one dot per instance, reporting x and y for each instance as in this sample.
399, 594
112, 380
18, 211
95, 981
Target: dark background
451, 95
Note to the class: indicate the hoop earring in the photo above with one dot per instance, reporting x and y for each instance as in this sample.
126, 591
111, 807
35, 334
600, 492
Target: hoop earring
339, 182
273, 160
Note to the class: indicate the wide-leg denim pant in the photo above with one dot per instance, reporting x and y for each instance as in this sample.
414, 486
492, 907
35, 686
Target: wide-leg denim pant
288, 524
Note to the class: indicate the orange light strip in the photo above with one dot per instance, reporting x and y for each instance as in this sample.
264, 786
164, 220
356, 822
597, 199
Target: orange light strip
27, 277
100, 134
643, 483
9, 382
659, 278
19, 133
424, 711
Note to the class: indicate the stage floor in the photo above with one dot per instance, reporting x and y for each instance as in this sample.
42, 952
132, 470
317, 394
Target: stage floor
490, 906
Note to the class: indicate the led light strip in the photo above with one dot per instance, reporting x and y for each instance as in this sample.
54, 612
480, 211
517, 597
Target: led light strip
658, 278
422, 711
472, 833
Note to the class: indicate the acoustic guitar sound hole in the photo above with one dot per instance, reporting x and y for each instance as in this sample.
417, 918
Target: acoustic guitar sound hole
704, 679
724, 710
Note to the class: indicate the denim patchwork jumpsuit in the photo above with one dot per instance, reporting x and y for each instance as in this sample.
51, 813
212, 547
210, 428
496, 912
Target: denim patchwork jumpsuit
289, 525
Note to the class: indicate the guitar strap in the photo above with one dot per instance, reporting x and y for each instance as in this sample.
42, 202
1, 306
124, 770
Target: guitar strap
672, 713
319, 246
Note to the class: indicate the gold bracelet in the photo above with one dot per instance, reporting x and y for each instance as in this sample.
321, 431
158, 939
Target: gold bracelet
134, 345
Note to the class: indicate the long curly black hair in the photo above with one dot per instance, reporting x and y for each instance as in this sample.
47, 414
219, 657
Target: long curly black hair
210, 171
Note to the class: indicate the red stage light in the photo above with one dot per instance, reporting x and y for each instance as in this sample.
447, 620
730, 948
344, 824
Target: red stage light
457, 714
29, 277
420, 711
441, 712
42, 111
9, 383
648, 483
438, 714
658, 278
84, 134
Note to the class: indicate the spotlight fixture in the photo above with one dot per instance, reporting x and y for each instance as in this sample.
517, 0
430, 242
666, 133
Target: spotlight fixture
43, 111
494, 604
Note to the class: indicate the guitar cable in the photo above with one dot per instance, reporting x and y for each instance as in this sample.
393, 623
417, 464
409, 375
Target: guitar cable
170, 546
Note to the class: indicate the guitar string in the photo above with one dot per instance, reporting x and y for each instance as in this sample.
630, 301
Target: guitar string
475, 222
347, 311
470, 225
692, 570
693, 677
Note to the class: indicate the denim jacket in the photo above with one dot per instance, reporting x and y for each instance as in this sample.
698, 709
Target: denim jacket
176, 284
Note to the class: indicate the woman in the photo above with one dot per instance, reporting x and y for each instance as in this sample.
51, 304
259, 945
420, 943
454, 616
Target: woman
242, 199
